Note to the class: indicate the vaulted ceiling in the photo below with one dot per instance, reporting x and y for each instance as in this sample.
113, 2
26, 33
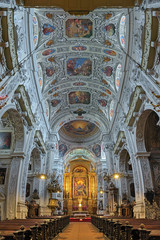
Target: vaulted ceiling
80, 64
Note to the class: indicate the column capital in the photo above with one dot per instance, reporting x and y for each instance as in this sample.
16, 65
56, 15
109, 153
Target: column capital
142, 154
18, 155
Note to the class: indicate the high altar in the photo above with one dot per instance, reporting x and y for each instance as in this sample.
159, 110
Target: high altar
80, 187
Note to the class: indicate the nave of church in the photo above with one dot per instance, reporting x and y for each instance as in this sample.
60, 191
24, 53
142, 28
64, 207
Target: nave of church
80, 119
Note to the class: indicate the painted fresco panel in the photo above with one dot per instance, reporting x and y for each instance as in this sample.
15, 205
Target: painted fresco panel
47, 28
2, 175
79, 127
62, 150
80, 186
79, 66
79, 28
103, 102
110, 29
5, 140
108, 71
97, 150
55, 102
79, 97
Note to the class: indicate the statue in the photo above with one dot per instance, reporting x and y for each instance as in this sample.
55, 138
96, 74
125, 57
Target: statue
53, 187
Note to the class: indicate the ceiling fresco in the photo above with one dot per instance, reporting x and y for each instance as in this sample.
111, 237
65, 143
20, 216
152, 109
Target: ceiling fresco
79, 128
80, 64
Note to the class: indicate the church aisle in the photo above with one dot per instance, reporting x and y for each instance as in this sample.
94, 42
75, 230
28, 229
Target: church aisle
80, 231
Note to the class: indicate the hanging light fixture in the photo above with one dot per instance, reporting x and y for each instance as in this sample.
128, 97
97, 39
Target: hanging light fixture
101, 190
42, 176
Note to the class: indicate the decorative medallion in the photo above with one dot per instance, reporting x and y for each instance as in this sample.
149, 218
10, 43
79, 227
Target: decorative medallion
79, 84
52, 90
104, 81
79, 48
103, 95
49, 15
108, 43
48, 52
51, 59
110, 52
49, 43
108, 16
107, 59
53, 82
55, 95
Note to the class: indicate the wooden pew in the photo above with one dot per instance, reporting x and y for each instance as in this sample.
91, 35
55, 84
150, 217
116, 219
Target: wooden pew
127, 228
35, 229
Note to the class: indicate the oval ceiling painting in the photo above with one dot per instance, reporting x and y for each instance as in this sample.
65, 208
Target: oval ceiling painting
79, 28
110, 52
79, 66
78, 128
79, 84
79, 97
48, 52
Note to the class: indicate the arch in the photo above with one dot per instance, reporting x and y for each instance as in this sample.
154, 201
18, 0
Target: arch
12, 119
140, 131
77, 153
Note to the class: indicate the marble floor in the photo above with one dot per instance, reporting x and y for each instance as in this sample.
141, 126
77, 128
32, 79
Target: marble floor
80, 231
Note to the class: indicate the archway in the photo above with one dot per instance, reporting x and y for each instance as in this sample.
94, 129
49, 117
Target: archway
80, 188
33, 184
127, 185
12, 139
152, 144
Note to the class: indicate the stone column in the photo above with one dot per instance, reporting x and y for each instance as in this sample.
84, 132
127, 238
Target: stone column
109, 159
143, 181
14, 182
145, 170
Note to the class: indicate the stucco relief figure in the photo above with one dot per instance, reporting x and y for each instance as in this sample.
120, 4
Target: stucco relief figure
100, 206
2, 175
